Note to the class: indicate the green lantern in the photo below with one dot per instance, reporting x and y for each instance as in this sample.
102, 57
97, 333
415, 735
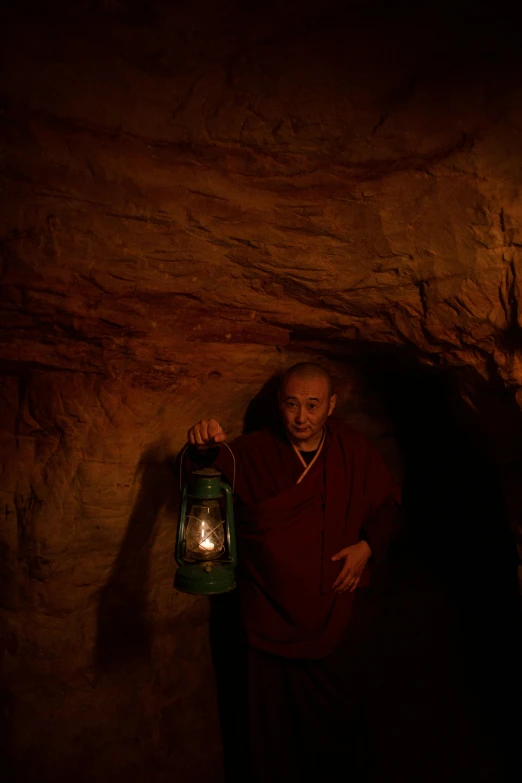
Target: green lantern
206, 544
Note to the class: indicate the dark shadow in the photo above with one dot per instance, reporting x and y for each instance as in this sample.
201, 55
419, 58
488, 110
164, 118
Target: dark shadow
448, 641
123, 633
227, 647
262, 411
229, 657
8, 644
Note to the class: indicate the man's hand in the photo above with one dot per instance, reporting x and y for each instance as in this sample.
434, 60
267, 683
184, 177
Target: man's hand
355, 558
206, 434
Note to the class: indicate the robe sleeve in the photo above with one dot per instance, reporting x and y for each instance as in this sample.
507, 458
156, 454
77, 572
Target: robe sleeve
383, 502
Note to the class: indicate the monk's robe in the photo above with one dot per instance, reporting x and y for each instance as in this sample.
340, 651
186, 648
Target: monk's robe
290, 520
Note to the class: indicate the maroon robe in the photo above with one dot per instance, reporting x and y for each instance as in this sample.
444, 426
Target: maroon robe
288, 532
301, 715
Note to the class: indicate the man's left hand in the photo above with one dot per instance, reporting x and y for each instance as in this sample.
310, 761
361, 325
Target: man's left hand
355, 558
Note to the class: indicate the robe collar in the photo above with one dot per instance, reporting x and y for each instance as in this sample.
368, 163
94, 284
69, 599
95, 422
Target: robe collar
301, 459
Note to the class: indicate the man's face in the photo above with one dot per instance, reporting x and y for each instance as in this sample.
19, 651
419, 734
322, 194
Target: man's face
305, 405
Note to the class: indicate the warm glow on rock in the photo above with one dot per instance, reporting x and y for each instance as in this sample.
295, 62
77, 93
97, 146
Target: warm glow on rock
193, 199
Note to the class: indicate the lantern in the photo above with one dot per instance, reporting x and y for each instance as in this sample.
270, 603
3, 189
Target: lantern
205, 544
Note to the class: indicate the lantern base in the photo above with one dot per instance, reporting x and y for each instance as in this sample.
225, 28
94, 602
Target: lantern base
205, 578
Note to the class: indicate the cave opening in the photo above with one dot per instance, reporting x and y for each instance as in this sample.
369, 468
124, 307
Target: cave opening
451, 611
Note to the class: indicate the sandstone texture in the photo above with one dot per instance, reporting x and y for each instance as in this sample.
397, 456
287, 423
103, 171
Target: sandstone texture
193, 197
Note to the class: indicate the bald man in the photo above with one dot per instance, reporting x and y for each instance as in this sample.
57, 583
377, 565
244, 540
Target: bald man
315, 508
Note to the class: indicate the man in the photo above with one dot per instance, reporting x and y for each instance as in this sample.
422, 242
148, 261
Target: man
315, 508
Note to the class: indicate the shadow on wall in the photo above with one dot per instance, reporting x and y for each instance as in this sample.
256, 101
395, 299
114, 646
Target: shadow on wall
262, 411
155, 672
124, 633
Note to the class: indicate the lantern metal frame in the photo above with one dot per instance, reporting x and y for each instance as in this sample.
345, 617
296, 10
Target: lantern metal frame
214, 575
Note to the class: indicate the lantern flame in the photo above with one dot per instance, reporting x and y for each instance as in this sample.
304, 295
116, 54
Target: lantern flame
205, 535
205, 543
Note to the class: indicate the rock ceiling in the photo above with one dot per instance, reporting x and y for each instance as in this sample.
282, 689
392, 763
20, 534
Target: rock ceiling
196, 185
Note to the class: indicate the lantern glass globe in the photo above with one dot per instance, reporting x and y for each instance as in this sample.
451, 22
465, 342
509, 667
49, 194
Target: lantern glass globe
204, 531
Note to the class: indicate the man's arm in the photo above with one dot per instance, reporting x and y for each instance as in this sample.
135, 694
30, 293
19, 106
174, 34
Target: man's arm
355, 558
383, 500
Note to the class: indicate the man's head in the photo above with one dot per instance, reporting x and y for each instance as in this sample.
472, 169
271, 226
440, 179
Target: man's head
306, 399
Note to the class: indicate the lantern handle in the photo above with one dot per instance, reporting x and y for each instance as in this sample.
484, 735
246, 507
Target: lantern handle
183, 450
185, 447
234, 464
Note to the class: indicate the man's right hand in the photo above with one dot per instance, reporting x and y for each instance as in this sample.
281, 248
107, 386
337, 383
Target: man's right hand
206, 434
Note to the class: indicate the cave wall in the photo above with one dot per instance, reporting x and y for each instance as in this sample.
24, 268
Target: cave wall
193, 198
107, 670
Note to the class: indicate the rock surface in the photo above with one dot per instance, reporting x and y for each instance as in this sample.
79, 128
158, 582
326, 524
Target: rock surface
193, 198
211, 178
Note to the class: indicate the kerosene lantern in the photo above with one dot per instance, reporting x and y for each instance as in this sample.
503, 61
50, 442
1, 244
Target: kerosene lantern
205, 544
